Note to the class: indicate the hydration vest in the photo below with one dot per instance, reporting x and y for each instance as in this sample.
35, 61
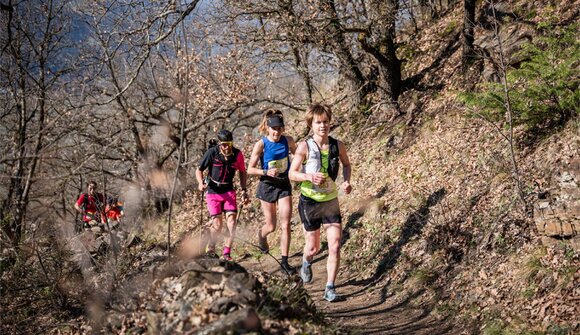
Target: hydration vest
314, 159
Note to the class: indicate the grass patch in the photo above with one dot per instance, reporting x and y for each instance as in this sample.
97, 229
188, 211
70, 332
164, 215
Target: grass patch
533, 266
449, 29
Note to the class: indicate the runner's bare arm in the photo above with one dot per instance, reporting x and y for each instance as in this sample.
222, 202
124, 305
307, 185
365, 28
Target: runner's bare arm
346, 169
295, 174
255, 158
199, 176
244, 184
243, 179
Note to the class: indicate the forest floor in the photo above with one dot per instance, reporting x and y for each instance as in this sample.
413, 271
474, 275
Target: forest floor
363, 307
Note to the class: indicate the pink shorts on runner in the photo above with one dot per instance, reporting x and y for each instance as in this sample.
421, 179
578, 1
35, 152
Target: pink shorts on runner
216, 203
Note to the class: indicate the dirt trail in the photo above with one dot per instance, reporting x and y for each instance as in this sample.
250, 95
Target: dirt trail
365, 308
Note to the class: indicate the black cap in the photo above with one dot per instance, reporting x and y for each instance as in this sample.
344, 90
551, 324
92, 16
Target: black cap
225, 135
275, 121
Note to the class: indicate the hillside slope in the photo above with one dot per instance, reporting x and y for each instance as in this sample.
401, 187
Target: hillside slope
436, 217
436, 237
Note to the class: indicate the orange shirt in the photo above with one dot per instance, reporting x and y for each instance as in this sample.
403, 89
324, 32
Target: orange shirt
114, 213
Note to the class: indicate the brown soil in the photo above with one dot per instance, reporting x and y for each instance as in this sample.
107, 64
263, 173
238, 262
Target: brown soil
365, 307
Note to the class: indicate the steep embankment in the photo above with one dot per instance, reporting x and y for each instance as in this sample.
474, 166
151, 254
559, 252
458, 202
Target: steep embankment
436, 238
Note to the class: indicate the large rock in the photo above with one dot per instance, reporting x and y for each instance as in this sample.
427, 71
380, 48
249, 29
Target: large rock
512, 38
557, 213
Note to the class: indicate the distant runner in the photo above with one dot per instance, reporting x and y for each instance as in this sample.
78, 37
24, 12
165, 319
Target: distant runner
114, 210
315, 165
92, 207
274, 190
222, 161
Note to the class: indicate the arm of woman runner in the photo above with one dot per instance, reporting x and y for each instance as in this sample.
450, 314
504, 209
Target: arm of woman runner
255, 158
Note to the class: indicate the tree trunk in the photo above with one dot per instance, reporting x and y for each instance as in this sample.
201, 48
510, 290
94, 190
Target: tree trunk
301, 64
349, 68
381, 45
468, 54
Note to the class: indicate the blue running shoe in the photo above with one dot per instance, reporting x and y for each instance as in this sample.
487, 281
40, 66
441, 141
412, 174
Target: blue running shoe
330, 294
306, 273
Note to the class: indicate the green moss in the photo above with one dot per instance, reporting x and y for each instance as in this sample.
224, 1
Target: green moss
449, 29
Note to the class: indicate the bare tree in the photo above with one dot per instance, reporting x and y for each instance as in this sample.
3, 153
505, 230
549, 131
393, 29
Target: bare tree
356, 39
468, 52
380, 43
135, 52
503, 66
34, 63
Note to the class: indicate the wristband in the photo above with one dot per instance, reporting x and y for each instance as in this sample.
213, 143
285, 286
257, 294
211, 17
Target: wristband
265, 172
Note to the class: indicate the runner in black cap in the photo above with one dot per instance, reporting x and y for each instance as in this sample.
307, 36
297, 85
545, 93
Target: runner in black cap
274, 190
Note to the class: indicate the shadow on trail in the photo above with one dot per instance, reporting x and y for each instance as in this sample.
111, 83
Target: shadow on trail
402, 315
366, 310
399, 318
412, 226
351, 223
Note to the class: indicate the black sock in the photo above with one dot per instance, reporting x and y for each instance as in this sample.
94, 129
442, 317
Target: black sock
284, 259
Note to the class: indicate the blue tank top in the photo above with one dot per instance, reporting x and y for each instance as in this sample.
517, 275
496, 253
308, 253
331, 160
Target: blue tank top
275, 155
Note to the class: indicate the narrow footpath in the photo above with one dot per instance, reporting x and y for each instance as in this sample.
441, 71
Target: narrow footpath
364, 308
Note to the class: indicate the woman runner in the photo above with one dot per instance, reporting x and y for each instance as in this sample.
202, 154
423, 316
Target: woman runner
274, 190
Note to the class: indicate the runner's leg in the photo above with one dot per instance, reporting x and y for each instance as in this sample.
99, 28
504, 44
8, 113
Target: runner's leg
269, 210
214, 230
333, 235
231, 208
285, 208
231, 223
312, 244
214, 206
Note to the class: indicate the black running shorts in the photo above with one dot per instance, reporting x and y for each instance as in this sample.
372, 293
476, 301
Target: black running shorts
271, 193
313, 214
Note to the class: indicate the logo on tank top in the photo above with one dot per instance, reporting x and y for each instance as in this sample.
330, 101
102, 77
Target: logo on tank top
326, 187
280, 164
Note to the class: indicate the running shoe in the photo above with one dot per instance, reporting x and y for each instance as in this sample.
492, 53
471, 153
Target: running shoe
306, 273
211, 255
210, 252
330, 294
287, 268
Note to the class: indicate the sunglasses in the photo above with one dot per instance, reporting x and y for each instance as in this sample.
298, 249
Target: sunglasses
226, 144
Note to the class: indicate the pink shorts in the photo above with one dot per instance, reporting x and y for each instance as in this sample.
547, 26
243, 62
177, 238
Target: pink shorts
226, 202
